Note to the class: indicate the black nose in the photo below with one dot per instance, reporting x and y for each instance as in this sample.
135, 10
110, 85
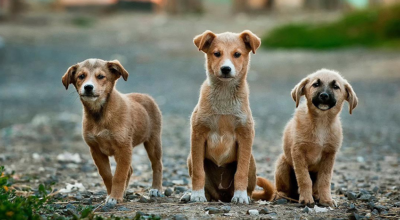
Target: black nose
225, 70
88, 88
324, 96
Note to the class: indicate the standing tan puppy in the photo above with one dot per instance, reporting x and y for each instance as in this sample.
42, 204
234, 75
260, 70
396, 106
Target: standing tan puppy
221, 163
312, 138
114, 123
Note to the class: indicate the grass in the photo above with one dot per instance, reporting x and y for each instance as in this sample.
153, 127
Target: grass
379, 27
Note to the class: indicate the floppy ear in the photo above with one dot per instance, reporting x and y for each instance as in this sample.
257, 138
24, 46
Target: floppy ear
351, 97
115, 67
68, 77
204, 40
298, 90
251, 40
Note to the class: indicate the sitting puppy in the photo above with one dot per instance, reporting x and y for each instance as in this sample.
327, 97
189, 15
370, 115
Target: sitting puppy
312, 138
221, 163
114, 123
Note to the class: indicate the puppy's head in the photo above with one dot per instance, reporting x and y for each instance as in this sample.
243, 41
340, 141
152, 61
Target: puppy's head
325, 90
94, 79
227, 54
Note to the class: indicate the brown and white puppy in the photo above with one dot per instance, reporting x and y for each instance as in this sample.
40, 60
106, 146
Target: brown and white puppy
312, 138
221, 163
114, 123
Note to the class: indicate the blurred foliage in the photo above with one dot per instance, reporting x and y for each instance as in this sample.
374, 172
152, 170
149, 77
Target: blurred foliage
378, 27
82, 21
30, 207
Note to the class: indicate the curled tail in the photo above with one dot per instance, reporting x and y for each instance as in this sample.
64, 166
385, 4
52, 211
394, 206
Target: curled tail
269, 190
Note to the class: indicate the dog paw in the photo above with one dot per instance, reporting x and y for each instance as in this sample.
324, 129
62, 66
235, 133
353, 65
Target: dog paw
198, 196
111, 202
307, 200
240, 197
155, 193
331, 203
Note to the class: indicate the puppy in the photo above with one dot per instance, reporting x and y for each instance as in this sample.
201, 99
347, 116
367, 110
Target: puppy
221, 163
312, 138
114, 123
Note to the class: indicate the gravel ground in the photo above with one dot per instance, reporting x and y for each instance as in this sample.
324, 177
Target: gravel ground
40, 122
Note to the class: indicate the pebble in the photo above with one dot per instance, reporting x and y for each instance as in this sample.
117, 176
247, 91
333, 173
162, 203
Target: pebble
365, 197
168, 192
306, 210
213, 210
280, 201
253, 212
351, 196
179, 217
397, 204
375, 189
352, 209
122, 208
168, 184
87, 201
264, 211
180, 189
143, 199
185, 198
226, 209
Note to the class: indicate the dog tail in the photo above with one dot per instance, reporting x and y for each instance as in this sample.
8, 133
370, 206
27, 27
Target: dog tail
268, 193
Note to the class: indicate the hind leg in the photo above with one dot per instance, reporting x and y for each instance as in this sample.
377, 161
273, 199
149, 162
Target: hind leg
154, 151
283, 177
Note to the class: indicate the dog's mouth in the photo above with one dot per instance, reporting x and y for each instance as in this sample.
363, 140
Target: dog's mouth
225, 78
90, 96
324, 106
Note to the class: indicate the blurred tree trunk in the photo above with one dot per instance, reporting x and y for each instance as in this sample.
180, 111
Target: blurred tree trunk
325, 4
16, 6
184, 6
240, 6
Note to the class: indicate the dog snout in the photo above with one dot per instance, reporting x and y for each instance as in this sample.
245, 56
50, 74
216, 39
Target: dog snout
226, 70
88, 88
324, 96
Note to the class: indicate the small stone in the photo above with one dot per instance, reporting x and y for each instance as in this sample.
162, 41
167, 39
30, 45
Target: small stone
356, 216
352, 209
280, 201
381, 208
226, 209
213, 210
122, 208
185, 198
306, 210
375, 212
371, 205
351, 196
168, 184
132, 197
105, 208
168, 192
397, 204
179, 217
87, 201
180, 189
143, 199
272, 215
365, 197
375, 189
253, 212
264, 211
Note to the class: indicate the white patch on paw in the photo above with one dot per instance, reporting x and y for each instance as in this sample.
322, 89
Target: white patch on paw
155, 193
240, 196
111, 201
198, 196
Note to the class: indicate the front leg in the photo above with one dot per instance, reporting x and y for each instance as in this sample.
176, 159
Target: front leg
197, 165
302, 176
324, 180
123, 157
245, 137
103, 166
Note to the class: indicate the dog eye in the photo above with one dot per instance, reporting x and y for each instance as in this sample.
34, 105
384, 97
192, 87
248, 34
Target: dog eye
82, 76
217, 54
336, 87
237, 55
315, 85
100, 77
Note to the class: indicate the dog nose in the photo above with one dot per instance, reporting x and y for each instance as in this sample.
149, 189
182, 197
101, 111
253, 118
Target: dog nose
225, 70
324, 96
88, 88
